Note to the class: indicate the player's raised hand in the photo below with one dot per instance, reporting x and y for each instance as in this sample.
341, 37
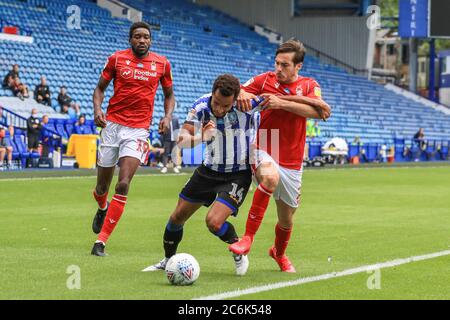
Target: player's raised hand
164, 125
244, 101
208, 131
99, 118
271, 102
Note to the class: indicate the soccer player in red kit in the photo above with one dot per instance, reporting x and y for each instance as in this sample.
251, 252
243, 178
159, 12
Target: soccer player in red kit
124, 137
289, 100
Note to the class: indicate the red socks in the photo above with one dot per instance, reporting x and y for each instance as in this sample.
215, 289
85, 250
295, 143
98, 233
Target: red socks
256, 214
101, 200
113, 215
282, 237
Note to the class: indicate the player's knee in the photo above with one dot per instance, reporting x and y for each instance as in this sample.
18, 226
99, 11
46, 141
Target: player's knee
122, 187
213, 224
270, 181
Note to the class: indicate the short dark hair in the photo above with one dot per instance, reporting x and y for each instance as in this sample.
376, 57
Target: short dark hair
293, 45
138, 25
228, 85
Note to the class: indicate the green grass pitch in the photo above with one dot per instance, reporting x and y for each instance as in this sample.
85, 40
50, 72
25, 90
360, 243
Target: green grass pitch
348, 218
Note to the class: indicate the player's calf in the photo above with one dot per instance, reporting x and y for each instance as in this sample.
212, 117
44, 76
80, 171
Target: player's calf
226, 232
173, 235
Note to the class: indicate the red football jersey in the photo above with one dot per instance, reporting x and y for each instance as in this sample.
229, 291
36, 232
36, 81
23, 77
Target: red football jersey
135, 84
291, 128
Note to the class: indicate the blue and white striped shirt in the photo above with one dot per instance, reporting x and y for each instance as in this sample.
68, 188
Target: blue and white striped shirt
229, 151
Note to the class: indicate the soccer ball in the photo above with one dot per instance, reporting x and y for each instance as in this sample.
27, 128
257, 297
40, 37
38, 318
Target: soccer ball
182, 269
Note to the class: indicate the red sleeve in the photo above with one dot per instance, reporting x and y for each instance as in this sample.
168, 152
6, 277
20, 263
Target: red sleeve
255, 84
166, 79
314, 90
109, 70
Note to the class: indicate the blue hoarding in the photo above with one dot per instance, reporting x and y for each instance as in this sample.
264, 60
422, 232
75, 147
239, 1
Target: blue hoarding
413, 18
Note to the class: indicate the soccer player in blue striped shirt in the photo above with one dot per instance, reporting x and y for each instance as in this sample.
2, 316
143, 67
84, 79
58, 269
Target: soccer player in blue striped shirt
223, 179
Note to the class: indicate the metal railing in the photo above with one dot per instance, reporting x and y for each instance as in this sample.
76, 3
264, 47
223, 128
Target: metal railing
324, 57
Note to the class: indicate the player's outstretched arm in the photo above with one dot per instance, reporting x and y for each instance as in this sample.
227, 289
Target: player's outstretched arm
320, 105
191, 135
289, 104
169, 106
99, 96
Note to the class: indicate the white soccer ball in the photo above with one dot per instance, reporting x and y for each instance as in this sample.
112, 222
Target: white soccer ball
182, 269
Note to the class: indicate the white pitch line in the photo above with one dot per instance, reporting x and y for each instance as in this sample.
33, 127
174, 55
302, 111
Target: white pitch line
278, 285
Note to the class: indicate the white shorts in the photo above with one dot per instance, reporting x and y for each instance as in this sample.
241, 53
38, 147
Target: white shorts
117, 141
289, 186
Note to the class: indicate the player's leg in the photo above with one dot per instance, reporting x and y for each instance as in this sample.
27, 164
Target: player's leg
267, 177
108, 156
216, 221
287, 200
173, 233
232, 188
128, 167
100, 193
283, 230
197, 192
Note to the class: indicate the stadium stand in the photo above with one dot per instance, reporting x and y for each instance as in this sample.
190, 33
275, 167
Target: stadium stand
201, 43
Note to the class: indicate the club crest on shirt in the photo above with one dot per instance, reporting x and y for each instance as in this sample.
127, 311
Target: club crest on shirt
128, 62
140, 65
153, 66
277, 85
232, 117
299, 90
318, 92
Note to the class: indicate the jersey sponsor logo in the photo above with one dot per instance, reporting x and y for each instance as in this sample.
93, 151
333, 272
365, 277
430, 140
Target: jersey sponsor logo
249, 82
318, 92
299, 90
144, 75
126, 73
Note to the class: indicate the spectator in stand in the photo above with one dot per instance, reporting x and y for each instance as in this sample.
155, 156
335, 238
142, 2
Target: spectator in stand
81, 127
5, 149
8, 81
12, 82
42, 93
33, 131
68, 106
20, 90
